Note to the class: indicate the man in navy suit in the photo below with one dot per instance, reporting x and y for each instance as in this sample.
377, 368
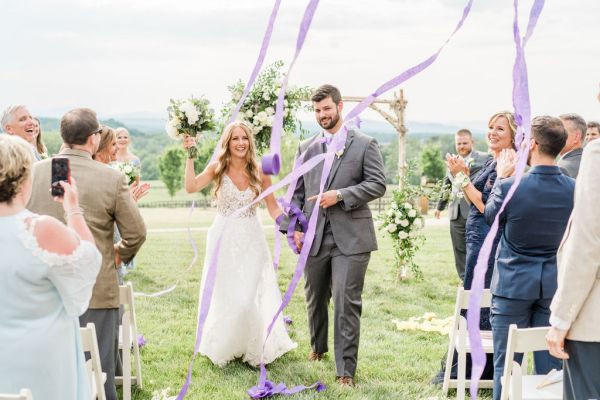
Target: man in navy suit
533, 224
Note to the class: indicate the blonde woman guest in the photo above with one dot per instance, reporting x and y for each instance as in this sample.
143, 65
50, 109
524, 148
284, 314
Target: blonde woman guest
123, 153
40, 147
107, 154
500, 136
47, 272
246, 295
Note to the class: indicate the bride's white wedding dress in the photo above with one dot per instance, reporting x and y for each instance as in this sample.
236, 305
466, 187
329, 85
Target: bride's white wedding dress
246, 295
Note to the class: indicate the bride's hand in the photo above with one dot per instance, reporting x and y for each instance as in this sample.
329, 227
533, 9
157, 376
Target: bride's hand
189, 141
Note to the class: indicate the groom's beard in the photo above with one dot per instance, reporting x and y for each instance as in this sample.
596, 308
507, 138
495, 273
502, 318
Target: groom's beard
332, 123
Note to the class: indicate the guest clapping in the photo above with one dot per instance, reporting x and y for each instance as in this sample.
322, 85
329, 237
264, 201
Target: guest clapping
501, 134
106, 200
47, 271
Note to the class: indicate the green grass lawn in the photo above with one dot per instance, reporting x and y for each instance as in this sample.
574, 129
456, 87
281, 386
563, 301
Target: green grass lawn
392, 364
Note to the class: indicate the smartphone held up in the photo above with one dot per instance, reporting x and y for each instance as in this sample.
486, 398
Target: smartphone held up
60, 172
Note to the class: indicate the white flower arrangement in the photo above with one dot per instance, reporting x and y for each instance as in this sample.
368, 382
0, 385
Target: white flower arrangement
131, 171
189, 117
403, 223
258, 109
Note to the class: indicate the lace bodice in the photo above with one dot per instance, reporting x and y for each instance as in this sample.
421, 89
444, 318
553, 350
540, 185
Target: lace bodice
230, 199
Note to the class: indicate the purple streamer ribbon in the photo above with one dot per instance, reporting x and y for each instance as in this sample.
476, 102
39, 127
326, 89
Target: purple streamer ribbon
269, 389
271, 163
522, 109
257, 66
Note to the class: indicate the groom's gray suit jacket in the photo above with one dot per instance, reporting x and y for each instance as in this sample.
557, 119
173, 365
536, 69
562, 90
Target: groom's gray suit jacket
359, 175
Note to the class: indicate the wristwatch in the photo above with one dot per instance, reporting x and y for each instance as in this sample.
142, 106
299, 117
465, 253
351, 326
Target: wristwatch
338, 196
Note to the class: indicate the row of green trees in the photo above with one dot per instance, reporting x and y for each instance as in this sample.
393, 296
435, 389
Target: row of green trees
425, 156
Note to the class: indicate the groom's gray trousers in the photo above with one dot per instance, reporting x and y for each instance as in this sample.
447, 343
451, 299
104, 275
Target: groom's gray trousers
329, 273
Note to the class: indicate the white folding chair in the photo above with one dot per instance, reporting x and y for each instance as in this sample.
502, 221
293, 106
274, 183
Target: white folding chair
516, 385
96, 377
128, 339
459, 341
24, 394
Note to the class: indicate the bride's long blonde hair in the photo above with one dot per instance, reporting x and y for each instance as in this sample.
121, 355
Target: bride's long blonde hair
224, 161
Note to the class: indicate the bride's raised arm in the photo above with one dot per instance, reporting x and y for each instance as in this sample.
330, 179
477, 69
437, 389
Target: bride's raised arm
195, 183
272, 205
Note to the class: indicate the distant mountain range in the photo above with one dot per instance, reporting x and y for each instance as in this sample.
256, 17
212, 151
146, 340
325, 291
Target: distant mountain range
150, 123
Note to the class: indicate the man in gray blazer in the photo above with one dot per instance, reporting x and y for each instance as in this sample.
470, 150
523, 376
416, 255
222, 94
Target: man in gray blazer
570, 155
458, 208
345, 235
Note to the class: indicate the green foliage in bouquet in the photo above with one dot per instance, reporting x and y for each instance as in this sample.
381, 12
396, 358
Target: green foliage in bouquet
189, 117
258, 109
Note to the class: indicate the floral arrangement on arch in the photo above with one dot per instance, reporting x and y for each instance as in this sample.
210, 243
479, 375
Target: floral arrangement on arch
258, 109
403, 223
189, 117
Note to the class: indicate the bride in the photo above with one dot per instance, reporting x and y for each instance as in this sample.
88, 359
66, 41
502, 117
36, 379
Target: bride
246, 295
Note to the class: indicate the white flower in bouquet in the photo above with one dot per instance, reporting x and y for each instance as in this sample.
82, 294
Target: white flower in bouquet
236, 96
128, 169
172, 130
249, 114
390, 213
270, 121
412, 213
189, 117
408, 206
267, 96
397, 220
402, 235
391, 228
394, 205
412, 234
270, 111
404, 223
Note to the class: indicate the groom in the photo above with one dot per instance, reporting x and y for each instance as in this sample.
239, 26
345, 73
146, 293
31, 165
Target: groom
344, 236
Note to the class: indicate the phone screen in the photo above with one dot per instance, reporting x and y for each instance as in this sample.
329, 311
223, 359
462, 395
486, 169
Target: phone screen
60, 172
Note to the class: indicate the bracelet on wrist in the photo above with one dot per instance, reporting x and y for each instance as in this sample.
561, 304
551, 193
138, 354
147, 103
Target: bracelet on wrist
462, 180
73, 211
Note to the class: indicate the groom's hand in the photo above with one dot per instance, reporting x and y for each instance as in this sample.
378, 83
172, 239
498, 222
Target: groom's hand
298, 239
328, 199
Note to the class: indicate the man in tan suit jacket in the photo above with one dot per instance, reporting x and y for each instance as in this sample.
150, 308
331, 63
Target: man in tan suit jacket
105, 200
576, 304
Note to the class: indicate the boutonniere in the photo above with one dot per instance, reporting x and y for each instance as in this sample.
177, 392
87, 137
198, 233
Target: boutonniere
340, 152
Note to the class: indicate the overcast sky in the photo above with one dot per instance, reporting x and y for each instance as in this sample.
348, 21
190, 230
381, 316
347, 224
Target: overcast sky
124, 56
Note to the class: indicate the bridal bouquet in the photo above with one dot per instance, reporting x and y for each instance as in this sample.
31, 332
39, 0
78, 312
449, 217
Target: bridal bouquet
258, 109
189, 117
403, 223
131, 171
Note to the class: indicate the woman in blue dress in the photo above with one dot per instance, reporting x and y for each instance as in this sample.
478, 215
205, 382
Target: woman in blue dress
47, 272
500, 136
